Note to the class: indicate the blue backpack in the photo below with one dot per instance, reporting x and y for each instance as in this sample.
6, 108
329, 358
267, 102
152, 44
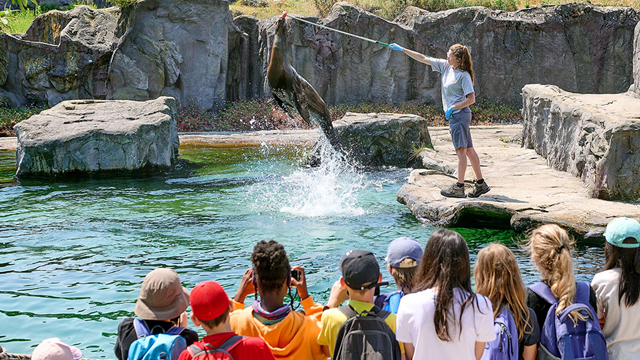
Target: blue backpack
390, 302
505, 346
165, 346
560, 338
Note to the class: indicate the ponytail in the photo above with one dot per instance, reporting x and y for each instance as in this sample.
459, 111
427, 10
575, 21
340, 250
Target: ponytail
462, 53
550, 247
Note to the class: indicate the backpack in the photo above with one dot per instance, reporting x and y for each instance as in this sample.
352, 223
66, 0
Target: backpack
365, 336
505, 346
165, 346
560, 338
220, 353
390, 302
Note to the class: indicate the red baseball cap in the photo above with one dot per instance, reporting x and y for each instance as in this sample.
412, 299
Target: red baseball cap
208, 300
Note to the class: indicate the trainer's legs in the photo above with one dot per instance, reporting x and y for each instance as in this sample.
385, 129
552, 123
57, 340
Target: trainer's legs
462, 163
475, 162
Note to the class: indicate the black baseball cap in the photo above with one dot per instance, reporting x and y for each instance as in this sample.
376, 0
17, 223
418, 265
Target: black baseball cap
360, 267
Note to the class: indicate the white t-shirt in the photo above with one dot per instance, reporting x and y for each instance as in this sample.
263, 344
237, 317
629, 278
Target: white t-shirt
415, 325
622, 323
456, 84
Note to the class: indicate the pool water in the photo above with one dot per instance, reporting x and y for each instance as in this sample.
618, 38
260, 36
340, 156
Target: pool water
73, 253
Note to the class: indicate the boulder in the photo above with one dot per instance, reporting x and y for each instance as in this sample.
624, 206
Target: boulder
595, 137
62, 56
175, 48
384, 139
525, 192
90, 136
579, 47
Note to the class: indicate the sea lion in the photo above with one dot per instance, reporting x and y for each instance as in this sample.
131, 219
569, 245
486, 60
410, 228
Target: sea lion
292, 91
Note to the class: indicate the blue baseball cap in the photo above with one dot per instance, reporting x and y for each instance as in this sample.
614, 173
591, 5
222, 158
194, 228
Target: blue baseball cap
404, 248
623, 228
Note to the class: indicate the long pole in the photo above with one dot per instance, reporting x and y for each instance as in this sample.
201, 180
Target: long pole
284, 15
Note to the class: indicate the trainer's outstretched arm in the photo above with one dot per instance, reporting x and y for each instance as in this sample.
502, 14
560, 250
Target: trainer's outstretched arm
412, 54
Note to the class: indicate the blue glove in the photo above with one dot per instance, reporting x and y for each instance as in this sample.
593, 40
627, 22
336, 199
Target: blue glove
447, 114
395, 46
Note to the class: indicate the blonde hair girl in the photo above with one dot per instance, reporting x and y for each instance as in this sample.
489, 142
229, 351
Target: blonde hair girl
497, 276
550, 247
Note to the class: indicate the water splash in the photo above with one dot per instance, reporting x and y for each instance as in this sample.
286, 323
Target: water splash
330, 189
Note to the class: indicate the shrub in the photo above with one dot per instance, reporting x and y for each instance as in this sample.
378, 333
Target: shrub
324, 6
9, 117
122, 3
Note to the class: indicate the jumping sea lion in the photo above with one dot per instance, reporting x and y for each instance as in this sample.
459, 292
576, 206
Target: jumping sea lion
292, 91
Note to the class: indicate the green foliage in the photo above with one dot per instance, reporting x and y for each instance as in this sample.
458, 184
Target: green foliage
256, 114
122, 3
324, 6
6, 19
9, 117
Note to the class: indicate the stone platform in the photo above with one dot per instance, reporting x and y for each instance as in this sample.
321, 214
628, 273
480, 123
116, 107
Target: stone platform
525, 192
595, 137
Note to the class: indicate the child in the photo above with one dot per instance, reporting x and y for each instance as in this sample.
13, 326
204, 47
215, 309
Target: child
403, 258
54, 349
617, 289
550, 247
210, 307
161, 306
425, 324
360, 276
289, 334
497, 276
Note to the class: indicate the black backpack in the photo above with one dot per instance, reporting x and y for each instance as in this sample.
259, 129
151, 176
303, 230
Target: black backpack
365, 336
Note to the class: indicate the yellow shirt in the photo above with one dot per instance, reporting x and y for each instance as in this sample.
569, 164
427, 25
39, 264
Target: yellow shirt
332, 319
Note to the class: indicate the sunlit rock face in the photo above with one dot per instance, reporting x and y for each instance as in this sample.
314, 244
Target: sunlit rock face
91, 136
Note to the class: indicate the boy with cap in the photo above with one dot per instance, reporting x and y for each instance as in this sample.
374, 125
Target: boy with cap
403, 258
360, 277
210, 307
617, 289
161, 306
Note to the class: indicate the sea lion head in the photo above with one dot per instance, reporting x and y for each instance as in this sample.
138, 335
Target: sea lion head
281, 27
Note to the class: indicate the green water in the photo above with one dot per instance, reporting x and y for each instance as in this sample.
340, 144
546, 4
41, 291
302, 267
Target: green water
74, 253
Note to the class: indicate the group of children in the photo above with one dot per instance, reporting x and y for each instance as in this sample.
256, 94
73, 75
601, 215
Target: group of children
434, 314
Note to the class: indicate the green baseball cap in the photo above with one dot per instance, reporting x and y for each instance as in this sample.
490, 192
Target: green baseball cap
623, 228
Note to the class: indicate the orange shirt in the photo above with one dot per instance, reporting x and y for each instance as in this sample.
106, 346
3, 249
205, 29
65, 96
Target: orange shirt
293, 338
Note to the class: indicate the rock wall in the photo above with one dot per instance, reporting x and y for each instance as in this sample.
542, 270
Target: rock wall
636, 61
578, 47
62, 56
89, 136
175, 48
594, 137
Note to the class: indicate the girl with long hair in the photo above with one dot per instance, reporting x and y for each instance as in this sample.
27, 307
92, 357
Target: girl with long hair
617, 289
550, 247
497, 276
443, 319
457, 79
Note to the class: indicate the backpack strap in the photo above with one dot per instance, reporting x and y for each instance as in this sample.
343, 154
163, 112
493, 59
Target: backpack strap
583, 292
350, 312
225, 347
544, 291
175, 330
141, 328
